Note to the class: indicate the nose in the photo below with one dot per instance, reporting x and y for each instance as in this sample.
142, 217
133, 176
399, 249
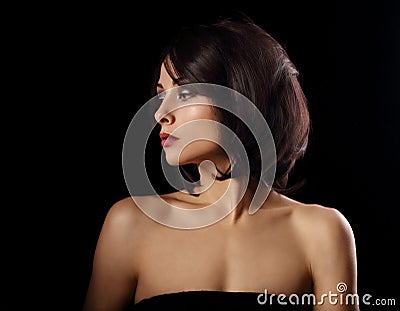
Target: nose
164, 115
164, 118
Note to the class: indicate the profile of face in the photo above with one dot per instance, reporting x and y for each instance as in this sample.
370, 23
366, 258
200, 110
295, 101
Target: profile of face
189, 124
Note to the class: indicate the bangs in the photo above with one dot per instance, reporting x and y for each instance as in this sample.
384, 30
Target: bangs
176, 70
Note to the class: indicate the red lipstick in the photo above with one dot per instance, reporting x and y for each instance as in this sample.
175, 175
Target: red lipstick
167, 139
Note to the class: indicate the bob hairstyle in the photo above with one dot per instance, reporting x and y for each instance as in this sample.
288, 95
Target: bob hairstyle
238, 54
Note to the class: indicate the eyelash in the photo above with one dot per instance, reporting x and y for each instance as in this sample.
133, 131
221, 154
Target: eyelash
183, 95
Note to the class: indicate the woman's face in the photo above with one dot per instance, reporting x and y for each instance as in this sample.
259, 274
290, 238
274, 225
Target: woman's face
187, 134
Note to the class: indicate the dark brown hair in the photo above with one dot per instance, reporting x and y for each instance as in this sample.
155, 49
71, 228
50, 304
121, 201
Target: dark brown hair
242, 56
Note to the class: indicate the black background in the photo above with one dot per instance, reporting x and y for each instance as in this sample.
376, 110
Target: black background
98, 61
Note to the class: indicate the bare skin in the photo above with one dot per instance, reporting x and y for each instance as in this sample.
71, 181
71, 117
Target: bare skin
286, 247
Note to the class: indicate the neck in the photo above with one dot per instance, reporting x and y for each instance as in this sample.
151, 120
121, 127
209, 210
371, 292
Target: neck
234, 192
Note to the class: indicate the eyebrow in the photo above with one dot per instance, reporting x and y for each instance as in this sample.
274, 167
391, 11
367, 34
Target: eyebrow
176, 81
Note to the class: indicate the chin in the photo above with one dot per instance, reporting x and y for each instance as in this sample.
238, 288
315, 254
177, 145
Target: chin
194, 153
172, 160
175, 159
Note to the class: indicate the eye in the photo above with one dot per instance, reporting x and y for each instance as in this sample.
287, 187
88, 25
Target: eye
161, 95
184, 95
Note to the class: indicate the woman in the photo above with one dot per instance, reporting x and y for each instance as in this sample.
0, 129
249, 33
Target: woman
282, 247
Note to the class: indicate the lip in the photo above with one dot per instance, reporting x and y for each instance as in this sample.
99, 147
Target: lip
167, 139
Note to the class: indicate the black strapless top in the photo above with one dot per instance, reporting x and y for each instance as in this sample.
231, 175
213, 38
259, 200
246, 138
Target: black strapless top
213, 300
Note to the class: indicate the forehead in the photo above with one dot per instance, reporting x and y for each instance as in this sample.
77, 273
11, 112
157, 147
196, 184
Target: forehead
168, 73
165, 78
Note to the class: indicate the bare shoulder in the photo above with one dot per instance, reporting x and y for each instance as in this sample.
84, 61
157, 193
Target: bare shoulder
123, 212
125, 215
115, 266
314, 223
327, 240
321, 220
320, 227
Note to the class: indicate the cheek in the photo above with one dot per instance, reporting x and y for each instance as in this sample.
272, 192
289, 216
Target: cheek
194, 152
200, 148
198, 135
195, 112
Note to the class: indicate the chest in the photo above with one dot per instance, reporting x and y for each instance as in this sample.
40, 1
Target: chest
241, 260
